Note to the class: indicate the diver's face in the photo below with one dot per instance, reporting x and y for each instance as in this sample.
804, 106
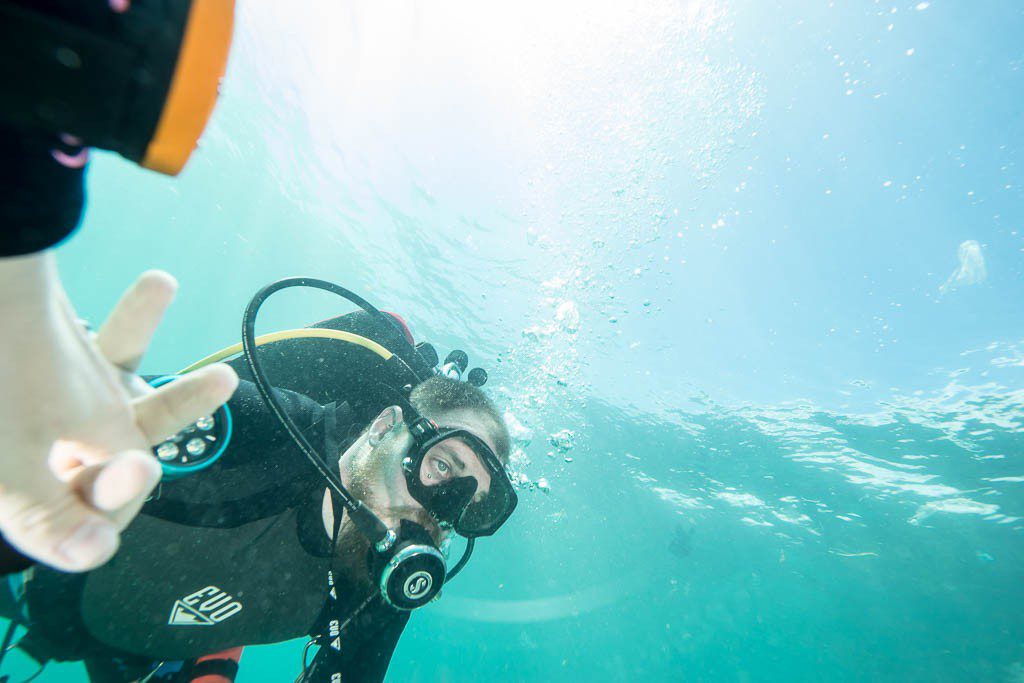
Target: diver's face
373, 474
372, 469
449, 460
454, 458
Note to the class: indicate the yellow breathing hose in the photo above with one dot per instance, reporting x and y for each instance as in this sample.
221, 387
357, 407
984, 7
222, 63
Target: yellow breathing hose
305, 333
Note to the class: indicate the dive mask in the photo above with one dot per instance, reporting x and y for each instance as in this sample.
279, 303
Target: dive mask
456, 477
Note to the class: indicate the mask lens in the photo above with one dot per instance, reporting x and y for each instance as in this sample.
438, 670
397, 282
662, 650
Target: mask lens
484, 516
452, 458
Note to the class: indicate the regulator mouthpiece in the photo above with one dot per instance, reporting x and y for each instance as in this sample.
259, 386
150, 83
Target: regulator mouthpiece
415, 570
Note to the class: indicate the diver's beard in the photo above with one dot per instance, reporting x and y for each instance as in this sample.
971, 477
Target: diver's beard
353, 558
353, 548
366, 473
376, 472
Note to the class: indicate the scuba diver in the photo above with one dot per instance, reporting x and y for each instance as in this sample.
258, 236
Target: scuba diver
319, 504
318, 501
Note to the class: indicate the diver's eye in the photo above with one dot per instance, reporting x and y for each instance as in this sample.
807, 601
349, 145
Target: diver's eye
442, 468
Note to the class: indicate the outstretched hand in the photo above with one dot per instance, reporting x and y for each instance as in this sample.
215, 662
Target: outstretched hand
76, 423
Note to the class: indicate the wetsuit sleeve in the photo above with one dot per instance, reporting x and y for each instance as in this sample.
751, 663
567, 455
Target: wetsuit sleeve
12, 561
41, 201
258, 434
363, 657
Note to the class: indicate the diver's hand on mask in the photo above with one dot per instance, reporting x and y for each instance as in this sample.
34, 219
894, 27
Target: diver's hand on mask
76, 464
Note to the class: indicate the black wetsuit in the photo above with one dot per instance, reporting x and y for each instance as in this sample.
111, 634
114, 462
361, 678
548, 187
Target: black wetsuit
234, 555
40, 201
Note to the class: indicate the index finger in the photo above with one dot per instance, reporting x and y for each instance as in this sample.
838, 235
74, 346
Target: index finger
127, 332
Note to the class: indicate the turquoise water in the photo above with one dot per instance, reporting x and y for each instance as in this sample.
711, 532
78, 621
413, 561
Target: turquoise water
747, 277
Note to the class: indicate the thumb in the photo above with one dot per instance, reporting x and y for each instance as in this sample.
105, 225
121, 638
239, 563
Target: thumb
183, 401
